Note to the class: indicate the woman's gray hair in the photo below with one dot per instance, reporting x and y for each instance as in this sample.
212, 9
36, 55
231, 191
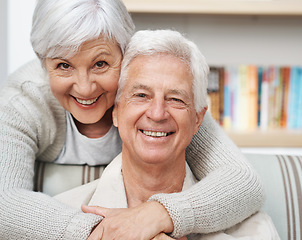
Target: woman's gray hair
60, 27
170, 42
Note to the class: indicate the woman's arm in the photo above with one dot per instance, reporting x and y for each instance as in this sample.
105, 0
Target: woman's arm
229, 190
28, 129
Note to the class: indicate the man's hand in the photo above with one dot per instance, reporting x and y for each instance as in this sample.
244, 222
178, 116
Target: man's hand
163, 236
142, 222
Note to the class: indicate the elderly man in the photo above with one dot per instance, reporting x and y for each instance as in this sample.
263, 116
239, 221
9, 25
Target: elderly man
160, 105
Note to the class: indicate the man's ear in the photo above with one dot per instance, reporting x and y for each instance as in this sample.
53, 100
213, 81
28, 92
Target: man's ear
199, 118
114, 115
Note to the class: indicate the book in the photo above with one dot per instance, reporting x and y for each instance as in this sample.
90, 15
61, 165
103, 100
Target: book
264, 100
227, 121
214, 79
243, 98
260, 77
285, 72
252, 78
293, 99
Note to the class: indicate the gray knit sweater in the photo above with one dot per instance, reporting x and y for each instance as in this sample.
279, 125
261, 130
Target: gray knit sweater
33, 127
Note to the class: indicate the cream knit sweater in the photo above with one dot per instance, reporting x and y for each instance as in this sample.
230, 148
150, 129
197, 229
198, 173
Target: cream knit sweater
33, 126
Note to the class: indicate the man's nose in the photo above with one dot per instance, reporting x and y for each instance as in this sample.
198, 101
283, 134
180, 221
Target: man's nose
157, 110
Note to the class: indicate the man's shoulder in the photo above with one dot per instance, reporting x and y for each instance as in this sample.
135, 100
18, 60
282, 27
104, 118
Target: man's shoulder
78, 196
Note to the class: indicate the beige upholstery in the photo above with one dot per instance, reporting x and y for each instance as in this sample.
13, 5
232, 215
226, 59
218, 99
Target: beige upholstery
281, 176
53, 179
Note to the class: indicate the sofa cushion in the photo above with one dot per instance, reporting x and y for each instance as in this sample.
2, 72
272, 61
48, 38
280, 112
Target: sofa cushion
53, 179
282, 176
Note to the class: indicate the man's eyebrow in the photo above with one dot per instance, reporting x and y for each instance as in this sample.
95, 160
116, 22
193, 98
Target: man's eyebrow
180, 92
140, 86
170, 91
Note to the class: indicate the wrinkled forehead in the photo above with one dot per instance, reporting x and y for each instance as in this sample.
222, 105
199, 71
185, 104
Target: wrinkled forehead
158, 71
163, 61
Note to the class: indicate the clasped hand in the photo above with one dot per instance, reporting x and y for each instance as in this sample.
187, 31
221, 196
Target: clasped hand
147, 221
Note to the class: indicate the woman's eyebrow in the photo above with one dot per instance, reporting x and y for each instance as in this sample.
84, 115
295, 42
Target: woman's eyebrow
60, 59
98, 55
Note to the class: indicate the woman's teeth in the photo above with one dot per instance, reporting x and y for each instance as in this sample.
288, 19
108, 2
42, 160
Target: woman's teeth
155, 134
87, 102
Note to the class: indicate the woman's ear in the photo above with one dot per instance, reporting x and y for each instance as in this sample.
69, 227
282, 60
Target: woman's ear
199, 118
114, 115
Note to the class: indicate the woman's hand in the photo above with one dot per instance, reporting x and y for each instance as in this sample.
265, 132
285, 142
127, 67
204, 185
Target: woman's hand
142, 222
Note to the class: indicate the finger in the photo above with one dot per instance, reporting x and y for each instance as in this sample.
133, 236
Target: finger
162, 236
97, 233
94, 209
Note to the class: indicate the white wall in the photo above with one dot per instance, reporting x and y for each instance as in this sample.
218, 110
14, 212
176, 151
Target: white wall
19, 25
15, 25
3, 40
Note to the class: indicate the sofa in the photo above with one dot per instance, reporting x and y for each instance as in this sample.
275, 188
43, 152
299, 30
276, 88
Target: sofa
281, 176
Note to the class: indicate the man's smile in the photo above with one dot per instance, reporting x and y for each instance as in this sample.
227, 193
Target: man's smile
156, 134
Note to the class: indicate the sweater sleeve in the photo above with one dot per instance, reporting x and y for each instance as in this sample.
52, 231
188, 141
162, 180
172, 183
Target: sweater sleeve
228, 192
26, 131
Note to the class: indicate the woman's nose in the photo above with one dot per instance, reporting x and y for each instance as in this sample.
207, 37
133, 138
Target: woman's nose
84, 84
157, 110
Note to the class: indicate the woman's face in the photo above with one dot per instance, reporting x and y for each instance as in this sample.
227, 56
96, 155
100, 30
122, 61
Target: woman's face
86, 84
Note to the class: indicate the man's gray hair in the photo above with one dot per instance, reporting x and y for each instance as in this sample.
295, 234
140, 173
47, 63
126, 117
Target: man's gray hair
170, 42
60, 27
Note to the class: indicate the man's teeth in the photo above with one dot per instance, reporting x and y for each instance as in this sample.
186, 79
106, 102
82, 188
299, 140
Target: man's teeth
155, 134
87, 102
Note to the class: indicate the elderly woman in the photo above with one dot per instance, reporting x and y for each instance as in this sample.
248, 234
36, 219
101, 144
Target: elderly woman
160, 105
59, 110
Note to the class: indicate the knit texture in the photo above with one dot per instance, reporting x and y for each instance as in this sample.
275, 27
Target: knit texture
33, 127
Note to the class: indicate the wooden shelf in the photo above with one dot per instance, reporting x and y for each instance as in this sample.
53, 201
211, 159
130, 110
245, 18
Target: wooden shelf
229, 7
269, 138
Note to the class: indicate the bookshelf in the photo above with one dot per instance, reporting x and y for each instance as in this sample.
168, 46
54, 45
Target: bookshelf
229, 7
258, 106
249, 31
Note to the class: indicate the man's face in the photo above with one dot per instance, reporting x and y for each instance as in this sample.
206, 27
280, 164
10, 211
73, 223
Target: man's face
156, 115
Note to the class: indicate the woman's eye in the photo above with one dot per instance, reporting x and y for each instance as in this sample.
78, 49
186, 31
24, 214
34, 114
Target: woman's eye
63, 66
100, 64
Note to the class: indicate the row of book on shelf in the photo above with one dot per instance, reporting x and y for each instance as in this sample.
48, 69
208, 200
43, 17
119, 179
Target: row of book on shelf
247, 97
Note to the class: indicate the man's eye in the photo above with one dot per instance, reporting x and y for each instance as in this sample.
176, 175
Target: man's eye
177, 100
63, 66
141, 95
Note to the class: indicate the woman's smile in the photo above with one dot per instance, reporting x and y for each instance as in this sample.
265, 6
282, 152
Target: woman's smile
87, 101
